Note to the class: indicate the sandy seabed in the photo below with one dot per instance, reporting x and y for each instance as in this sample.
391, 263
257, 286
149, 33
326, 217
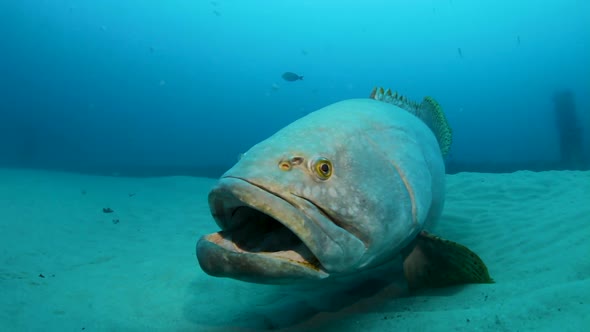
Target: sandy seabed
65, 265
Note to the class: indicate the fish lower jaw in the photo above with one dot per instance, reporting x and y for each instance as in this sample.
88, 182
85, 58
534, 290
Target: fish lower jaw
298, 254
219, 256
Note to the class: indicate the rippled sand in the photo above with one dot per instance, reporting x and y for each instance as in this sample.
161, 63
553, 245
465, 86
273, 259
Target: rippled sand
66, 265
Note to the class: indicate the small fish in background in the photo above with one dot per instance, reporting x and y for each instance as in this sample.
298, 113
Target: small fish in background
275, 87
217, 13
304, 52
518, 40
291, 77
460, 52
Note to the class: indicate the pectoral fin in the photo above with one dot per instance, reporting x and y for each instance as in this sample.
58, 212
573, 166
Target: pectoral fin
431, 261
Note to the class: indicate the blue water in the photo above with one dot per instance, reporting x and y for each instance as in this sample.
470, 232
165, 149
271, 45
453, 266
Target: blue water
180, 85
146, 88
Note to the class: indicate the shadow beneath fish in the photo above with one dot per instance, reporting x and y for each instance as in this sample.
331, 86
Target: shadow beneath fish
240, 306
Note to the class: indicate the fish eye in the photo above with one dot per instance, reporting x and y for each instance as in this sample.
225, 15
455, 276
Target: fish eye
322, 168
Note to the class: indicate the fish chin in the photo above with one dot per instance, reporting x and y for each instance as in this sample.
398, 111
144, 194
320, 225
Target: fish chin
258, 241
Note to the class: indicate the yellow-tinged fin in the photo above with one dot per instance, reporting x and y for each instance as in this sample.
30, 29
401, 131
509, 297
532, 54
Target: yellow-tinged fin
431, 261
429, 111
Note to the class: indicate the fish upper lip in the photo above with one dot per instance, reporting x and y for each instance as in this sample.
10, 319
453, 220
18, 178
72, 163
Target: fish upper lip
290, 202
282, 198
319, 208
260, 187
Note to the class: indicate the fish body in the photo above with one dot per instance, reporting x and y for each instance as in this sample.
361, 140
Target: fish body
291, 77
341, 191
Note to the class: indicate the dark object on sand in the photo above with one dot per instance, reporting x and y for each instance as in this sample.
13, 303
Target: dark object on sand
569, 130
291, 77
107, 210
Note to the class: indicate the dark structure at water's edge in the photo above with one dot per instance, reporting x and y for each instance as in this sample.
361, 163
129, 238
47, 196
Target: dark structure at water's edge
569, 128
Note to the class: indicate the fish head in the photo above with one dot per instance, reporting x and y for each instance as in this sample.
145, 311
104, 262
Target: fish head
308, 203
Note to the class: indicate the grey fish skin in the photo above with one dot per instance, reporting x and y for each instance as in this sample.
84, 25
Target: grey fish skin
291, 77
386, 185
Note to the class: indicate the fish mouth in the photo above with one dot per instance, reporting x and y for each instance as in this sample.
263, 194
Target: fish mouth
266, 237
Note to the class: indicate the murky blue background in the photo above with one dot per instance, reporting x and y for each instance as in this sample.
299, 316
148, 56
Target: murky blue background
166, 87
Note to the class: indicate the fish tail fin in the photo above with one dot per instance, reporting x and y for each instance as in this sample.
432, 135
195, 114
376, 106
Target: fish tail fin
429, 111
300, 78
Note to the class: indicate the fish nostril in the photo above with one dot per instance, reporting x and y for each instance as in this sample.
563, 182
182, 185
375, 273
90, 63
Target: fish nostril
285, 165
296, 161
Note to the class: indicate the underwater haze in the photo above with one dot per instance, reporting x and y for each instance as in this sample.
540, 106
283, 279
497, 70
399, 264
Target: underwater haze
174, 87
118, 117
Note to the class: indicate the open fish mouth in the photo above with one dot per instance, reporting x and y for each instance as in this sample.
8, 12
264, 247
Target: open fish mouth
264, 237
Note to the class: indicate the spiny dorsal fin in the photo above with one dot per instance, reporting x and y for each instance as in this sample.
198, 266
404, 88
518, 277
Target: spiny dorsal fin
429, 111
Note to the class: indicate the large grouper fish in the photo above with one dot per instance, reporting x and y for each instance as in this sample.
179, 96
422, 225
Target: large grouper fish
340, 192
